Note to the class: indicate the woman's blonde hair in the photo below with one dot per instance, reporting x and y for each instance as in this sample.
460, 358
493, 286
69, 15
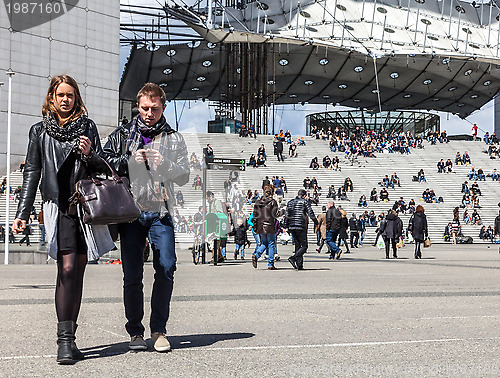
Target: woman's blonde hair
78, 108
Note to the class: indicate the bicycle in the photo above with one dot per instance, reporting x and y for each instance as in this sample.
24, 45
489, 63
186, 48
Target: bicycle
198, 246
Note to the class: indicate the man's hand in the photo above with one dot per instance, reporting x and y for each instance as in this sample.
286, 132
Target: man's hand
153, 156
140, 156
18, 226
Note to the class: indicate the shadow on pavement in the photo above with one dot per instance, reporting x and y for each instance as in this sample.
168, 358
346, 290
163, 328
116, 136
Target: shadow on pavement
201, 340
176, 342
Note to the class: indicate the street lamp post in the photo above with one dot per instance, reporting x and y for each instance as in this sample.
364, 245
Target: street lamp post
9, 73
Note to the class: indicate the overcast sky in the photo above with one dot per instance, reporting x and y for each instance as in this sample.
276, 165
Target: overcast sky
193, 116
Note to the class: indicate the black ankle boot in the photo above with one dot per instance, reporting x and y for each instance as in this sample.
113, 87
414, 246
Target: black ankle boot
77, 354
64, 340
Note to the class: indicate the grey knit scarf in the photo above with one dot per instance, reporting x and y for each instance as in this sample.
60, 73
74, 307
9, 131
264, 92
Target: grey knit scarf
69, 132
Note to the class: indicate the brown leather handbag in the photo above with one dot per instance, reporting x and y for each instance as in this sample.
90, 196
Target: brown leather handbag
106, 201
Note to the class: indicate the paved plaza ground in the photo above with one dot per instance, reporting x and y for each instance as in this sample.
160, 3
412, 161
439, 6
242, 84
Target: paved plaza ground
358, 316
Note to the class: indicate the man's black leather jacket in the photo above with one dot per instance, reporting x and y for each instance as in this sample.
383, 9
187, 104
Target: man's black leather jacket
333, 217
296, 214
46, 154
173, 169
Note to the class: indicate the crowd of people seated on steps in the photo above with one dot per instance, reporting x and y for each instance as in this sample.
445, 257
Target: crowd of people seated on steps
472, 218
340, 194
490, 139
434, 136
390, 182
328, 163
367, 142
445, 167
429, 196
258, 160
247, 131
462, 159
478, 174
470, 198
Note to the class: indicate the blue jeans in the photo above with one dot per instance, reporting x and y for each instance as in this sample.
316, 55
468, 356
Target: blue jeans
160, 232
240, 248
257, 240
331, 236
268, 241
42, 233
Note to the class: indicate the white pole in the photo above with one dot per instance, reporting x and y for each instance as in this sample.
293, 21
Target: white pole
10, 73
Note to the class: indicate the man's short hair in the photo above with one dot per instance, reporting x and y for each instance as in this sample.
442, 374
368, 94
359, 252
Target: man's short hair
209, 194
151, 90
301, 192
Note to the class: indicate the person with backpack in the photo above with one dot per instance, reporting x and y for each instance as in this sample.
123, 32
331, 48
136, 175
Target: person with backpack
419, 229
392, 232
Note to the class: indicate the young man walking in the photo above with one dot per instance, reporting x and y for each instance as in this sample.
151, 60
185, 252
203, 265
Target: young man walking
154, 157
297, 211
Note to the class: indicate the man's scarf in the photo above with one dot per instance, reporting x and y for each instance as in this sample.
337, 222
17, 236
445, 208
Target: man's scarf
139, 130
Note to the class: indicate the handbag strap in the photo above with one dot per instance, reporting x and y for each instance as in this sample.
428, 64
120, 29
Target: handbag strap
148, 168
114, 175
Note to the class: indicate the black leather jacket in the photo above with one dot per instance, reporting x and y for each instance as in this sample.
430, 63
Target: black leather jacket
46, 154
173, 169
297, 211
333, 219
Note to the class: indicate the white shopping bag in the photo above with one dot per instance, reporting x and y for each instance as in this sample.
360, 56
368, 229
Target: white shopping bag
380, 243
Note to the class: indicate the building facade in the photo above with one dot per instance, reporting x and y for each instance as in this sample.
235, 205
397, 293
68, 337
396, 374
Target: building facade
84, 43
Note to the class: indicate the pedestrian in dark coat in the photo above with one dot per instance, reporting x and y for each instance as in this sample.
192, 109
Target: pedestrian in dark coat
240, 238
264, 219
497, 224
354, 226
392, 233
278, 149
344, 226
419, 229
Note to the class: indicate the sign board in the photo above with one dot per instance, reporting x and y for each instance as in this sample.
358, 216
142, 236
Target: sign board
226, 164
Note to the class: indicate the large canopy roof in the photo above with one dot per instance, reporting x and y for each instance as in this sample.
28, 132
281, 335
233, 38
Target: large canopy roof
364, 54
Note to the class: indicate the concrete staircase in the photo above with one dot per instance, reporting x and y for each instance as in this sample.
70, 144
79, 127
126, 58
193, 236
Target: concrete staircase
364, 172
16, 179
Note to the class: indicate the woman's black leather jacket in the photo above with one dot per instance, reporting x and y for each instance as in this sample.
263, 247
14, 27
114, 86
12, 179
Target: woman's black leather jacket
45, 157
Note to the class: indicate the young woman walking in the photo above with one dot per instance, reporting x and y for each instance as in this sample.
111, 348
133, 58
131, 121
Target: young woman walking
61, 150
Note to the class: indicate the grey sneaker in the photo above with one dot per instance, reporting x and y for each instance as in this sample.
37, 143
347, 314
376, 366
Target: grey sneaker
161, 342
137, 343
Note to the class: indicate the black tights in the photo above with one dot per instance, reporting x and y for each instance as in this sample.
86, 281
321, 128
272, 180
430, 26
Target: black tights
346, 243
69, 286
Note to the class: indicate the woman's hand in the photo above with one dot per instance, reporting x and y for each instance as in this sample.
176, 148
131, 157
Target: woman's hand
85, 145
18, 226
